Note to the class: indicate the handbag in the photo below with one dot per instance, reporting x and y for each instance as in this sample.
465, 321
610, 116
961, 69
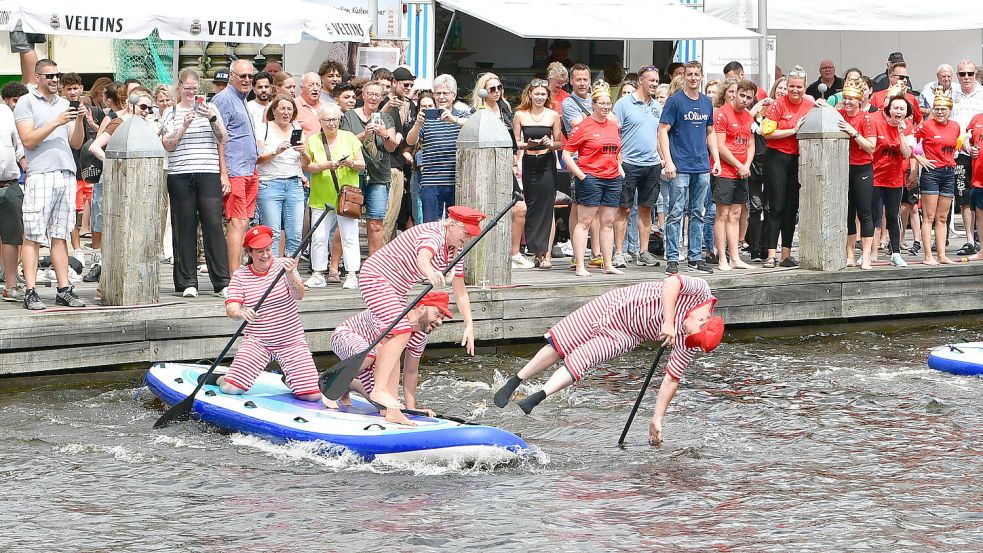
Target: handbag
350, 198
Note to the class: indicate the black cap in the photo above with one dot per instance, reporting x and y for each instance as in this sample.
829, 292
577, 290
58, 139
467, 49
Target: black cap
895, 57
402, 74
221, 76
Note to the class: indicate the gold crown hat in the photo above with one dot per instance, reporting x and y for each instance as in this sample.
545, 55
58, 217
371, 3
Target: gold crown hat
898, 90
601, 88
943, 98
854, 88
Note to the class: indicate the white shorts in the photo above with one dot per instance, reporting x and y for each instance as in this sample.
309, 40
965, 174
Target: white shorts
49, 206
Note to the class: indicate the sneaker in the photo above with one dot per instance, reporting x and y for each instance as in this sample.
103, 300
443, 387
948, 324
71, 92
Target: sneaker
351, 282
190, 292
316, 281
646, 259
596, 262
712, 258
557, 252
519, 261
94, 273
700, 266
202, 269
45, 276
672, 267
80, 256
13, 294
789, 262
619, 261
68, 298
967, 249
223, 292
74, 277
916, 247
632, 257
897, 261
32, 300
567, 248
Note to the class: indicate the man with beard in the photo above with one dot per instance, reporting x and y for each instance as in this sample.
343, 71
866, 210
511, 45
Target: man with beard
262, 94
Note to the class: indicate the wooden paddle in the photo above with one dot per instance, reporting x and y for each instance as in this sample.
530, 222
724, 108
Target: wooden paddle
182, 409
334, 381
641, 394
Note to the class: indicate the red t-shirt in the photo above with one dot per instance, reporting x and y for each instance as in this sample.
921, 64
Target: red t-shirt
737, 128
862, 123
889, 163
787, 115
597, 146
877, 100
975, 130
939, 141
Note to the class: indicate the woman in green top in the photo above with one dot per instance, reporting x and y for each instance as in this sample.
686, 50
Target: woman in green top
338, 151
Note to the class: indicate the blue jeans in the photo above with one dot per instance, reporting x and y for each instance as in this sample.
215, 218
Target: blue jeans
280, 204
631, 236
687, 196
436, 199
708, 220
416, 205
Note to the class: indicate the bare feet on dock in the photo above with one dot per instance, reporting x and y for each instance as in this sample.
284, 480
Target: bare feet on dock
947, 261
930, 261
612, 271
723, 266
740, 264
583, 273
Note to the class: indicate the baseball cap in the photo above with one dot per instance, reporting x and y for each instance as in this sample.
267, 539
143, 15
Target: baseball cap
258, 237
402, 74
221, 76
468, 216
708, 338
440, 300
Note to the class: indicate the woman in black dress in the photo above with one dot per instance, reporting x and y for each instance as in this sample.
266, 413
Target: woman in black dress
537, 136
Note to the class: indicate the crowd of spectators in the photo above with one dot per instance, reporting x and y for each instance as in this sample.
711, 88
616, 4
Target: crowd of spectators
612, 173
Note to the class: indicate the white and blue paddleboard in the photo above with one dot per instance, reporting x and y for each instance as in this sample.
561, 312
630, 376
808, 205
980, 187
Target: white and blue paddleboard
270, 411
964, 359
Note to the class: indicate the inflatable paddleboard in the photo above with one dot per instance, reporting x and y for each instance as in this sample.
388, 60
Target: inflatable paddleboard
270, 411
964, 359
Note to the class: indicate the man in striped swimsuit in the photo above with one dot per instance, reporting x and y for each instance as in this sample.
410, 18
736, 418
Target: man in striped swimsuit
678, 310
422, 252
354, 335
275, 331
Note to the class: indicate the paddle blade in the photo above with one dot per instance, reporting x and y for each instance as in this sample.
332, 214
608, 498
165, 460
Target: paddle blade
334, 382
181, 411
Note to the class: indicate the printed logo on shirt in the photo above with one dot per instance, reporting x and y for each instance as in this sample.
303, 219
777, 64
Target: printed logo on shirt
695, 116
610, 149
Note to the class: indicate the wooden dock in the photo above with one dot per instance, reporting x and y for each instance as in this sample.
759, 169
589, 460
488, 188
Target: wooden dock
193, 329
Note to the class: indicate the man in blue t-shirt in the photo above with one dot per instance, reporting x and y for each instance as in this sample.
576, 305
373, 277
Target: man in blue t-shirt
685, 135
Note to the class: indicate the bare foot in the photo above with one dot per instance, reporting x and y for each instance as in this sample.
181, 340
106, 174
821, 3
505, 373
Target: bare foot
930, 261
947, 261
977, 257
865, 266
851, 262
396, 416
384, 399
329, 403
583, 273
723, 267
739, 264
613, 271
346, 399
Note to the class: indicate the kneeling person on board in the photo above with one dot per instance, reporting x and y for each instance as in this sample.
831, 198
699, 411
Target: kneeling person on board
275, 331
678, 310
354, 335
422, 252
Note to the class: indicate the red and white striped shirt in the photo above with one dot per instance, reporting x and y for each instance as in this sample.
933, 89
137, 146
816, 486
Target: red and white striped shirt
396, 261
278, 320
363, 326
618, 321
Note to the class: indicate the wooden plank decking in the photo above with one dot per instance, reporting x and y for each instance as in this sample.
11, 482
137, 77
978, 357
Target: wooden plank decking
182, 329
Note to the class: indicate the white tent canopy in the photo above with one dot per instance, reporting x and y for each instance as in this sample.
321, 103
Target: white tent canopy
853, 15
281, 22
599, 19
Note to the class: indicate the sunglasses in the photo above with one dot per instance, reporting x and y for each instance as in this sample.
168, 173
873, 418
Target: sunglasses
144, 107
967, 73
647, 68
797, 74
539, 82
497, 88
50, 76
247, 76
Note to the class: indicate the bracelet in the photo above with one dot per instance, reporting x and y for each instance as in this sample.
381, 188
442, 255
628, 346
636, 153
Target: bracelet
213, 119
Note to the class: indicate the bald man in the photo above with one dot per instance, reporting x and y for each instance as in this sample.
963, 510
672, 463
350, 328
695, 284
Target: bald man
307, 104
827, 76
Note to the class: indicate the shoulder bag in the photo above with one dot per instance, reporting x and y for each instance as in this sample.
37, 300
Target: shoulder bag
350, 198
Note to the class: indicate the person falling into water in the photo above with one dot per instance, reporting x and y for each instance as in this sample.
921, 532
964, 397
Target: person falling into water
275, 332
356, 333
678, 310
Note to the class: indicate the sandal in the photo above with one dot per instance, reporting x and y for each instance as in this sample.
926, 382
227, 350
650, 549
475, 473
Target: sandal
967, 249
770, 263
546, 263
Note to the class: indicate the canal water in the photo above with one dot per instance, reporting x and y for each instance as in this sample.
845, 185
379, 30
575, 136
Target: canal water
821, 439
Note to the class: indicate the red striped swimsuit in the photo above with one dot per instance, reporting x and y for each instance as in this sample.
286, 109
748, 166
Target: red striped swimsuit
618, 321
389, 273
354, 335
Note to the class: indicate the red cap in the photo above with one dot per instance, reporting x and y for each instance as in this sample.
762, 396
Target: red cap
440, 300
258, 237
468, 216
708, 338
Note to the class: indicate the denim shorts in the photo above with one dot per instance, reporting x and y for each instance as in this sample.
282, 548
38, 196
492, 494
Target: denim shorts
598, 192
376, 200
938, 182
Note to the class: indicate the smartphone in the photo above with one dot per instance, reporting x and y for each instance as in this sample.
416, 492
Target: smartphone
111, 115
199, 101
376, 118
432, 113
295, 137
74, 104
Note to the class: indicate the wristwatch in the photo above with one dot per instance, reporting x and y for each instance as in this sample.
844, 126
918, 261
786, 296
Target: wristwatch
213, 118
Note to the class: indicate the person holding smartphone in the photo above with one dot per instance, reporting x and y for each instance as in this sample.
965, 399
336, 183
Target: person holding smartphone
281, 190
49, 128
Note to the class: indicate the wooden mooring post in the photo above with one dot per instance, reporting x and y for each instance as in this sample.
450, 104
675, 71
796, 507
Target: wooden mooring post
484, 182
824, 153
134, 204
